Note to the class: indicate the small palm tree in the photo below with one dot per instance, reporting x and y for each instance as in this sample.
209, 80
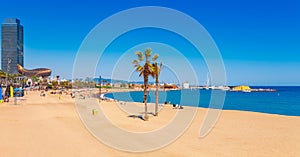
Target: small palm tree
144, 67
156, 71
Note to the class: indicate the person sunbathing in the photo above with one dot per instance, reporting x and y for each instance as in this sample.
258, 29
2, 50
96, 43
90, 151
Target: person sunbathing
42, 93
176, 106
5, 98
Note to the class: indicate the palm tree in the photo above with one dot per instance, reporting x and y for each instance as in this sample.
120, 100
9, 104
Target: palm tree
34, 79
2, 74
14, 77
145, 70
156, 71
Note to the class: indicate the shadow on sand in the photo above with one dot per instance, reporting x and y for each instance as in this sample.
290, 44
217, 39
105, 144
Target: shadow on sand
136, 116
140, 116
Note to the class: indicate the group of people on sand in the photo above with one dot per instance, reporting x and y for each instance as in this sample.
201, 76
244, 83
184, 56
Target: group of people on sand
103, 98
43, 94
175, 106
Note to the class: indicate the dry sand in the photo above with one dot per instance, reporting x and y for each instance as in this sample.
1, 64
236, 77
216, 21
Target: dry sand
46, 126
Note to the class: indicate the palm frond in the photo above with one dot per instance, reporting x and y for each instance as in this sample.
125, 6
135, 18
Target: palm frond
135, 62
160, 66
141, 73
155, 57
140, 55
152, 74
139, 68
156, 69
148, 53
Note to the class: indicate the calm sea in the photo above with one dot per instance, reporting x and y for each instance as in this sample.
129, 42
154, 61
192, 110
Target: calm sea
285, 101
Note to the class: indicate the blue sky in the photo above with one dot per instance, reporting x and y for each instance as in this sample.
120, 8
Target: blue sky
258, 40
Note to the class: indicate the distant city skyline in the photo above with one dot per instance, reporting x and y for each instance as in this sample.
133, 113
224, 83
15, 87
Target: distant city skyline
258, 40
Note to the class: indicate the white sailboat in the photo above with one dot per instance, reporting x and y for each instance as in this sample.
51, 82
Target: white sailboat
208, 86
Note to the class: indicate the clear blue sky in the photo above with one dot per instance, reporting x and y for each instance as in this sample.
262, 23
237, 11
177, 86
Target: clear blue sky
259, 40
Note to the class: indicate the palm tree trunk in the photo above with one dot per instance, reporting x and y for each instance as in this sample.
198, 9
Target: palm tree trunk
156, 96
146, 118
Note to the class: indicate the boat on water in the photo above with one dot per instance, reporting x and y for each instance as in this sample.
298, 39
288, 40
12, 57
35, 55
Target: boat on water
207, 87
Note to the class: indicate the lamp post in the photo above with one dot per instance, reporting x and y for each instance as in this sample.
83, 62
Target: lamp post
7, 70
100, 86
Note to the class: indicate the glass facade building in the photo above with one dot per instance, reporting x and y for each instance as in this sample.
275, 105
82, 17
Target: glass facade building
12, 45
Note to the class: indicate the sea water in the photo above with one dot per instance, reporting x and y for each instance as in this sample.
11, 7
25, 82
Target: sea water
285, 101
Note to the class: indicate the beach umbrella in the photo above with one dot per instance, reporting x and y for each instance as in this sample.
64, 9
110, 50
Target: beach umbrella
0, 93
11, 91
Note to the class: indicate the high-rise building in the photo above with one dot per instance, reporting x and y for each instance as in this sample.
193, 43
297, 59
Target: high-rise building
12, 45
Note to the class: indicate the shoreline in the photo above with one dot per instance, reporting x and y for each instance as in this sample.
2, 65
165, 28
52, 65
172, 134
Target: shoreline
184, 105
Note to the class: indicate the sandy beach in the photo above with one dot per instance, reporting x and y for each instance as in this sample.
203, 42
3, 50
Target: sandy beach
48, 126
